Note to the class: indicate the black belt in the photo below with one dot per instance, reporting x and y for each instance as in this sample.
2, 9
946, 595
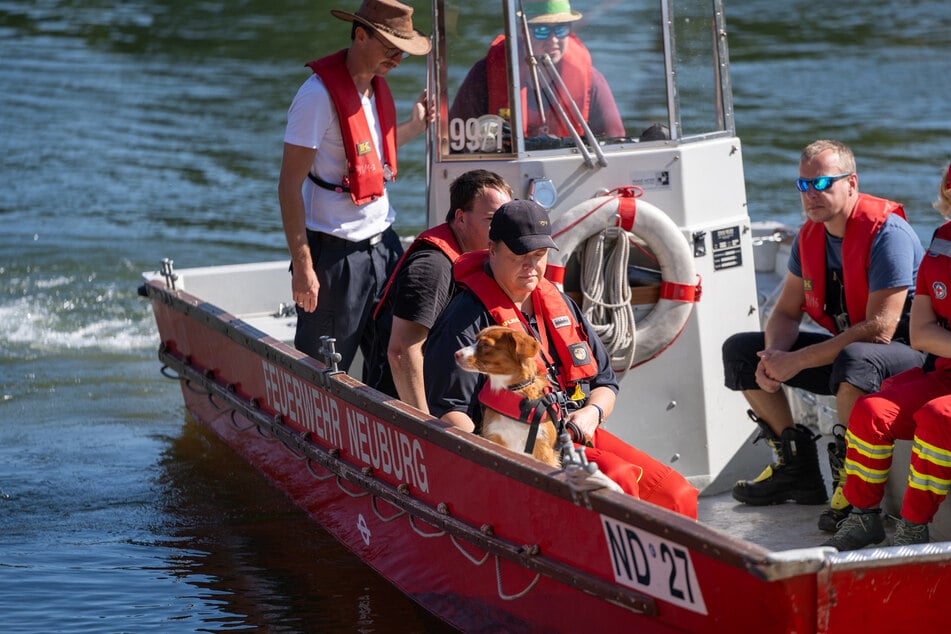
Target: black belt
326, 238
319, 182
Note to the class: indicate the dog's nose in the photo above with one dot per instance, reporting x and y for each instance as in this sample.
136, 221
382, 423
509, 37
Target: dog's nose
459, 354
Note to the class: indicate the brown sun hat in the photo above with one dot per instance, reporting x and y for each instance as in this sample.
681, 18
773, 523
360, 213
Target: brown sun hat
392, 20
550, 12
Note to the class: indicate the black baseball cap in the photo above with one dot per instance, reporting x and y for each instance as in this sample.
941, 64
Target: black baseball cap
523, 226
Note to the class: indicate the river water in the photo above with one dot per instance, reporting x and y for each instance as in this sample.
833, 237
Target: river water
133, 131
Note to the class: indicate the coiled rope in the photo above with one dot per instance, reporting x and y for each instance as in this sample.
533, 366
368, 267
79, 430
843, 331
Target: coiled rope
606, 294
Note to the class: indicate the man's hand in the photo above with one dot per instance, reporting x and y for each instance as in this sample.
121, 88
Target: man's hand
420, 117
775, 367
305, 286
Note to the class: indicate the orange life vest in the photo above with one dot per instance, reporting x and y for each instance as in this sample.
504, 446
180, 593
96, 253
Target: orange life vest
863, 225
575, 70
441, 237
556, 320
365, 171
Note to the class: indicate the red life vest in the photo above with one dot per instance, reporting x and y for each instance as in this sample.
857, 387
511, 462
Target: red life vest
441, 237
863, 225
936, 270
575, 70
575, 361
365, 171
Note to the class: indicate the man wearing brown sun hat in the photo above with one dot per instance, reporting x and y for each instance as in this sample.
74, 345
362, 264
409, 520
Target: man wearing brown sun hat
339, 151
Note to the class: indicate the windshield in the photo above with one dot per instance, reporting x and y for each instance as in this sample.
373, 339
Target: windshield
582, 71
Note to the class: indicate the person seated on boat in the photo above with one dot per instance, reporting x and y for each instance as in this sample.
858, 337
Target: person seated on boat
422, 285
505, 285
914, 405
852, 270
550, 24
335, 210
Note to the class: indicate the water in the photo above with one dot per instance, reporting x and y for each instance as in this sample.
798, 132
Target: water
139, 130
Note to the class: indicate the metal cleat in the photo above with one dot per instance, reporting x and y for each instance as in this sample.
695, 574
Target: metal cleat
168, 272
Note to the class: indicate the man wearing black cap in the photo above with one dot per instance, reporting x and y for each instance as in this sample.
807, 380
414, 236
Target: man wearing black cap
505, 285
339, 151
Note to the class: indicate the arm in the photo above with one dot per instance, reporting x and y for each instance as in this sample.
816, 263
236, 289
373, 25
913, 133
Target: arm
295, 166
603, 386
882, 311
422, 114
780, 334
604, 118
927, 333
587, 418
405, 354
458, 419
451, 392
472, 98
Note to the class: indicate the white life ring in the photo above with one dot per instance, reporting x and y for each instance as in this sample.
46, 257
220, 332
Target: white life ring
680, 288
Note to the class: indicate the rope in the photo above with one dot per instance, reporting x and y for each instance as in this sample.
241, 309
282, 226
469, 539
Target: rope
607, 294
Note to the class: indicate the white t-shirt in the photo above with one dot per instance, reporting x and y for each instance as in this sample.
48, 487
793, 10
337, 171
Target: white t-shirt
312, 122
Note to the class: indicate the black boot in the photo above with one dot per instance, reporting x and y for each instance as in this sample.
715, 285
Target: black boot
839, 507
794, 476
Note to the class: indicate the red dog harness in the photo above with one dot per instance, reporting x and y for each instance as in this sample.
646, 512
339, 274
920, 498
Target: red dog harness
531, 411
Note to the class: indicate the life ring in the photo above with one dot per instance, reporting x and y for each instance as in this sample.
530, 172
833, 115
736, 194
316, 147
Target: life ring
680, 286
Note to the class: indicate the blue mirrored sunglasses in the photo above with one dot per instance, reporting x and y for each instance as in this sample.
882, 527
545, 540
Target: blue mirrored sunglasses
819, 183
543, 32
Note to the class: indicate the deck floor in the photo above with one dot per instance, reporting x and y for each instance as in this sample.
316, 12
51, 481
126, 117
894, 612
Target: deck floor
778, 527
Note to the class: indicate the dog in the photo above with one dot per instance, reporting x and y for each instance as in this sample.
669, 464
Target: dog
507, 357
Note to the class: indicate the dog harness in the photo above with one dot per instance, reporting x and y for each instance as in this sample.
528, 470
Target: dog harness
532, 411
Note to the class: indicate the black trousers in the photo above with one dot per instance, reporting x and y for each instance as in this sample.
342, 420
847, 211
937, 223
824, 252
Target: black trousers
863, 365
352, 277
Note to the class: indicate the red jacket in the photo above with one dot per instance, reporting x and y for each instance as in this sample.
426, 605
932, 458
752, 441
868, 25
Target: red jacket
863, 225
365, 171
576, 362
574, 68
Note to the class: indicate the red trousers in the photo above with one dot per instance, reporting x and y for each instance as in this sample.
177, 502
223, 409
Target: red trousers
642, 476
913, 405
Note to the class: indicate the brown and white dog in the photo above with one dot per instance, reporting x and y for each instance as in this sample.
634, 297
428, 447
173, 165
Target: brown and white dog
507, 357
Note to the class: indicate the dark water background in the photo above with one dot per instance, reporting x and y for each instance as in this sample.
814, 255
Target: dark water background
132, 131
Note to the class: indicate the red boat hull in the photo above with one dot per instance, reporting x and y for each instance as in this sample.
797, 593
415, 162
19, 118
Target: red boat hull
492, 540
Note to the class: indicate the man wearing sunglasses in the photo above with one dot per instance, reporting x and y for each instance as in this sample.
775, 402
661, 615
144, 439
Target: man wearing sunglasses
550, 29
339, 152
852, 270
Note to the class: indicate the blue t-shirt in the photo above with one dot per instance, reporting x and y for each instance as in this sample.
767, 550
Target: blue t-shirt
896, 253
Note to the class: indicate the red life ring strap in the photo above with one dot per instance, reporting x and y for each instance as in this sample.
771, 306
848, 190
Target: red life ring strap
627, 210
675, 291
555, 274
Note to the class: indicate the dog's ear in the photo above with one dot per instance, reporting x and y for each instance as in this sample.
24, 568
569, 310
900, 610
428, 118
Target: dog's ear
526, 347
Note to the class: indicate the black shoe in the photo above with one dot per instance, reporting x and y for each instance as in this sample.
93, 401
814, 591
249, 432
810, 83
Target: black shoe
831, 517
794, 476
859, 530
908, 533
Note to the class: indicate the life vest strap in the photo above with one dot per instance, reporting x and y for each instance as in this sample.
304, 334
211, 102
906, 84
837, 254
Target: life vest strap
319, 182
